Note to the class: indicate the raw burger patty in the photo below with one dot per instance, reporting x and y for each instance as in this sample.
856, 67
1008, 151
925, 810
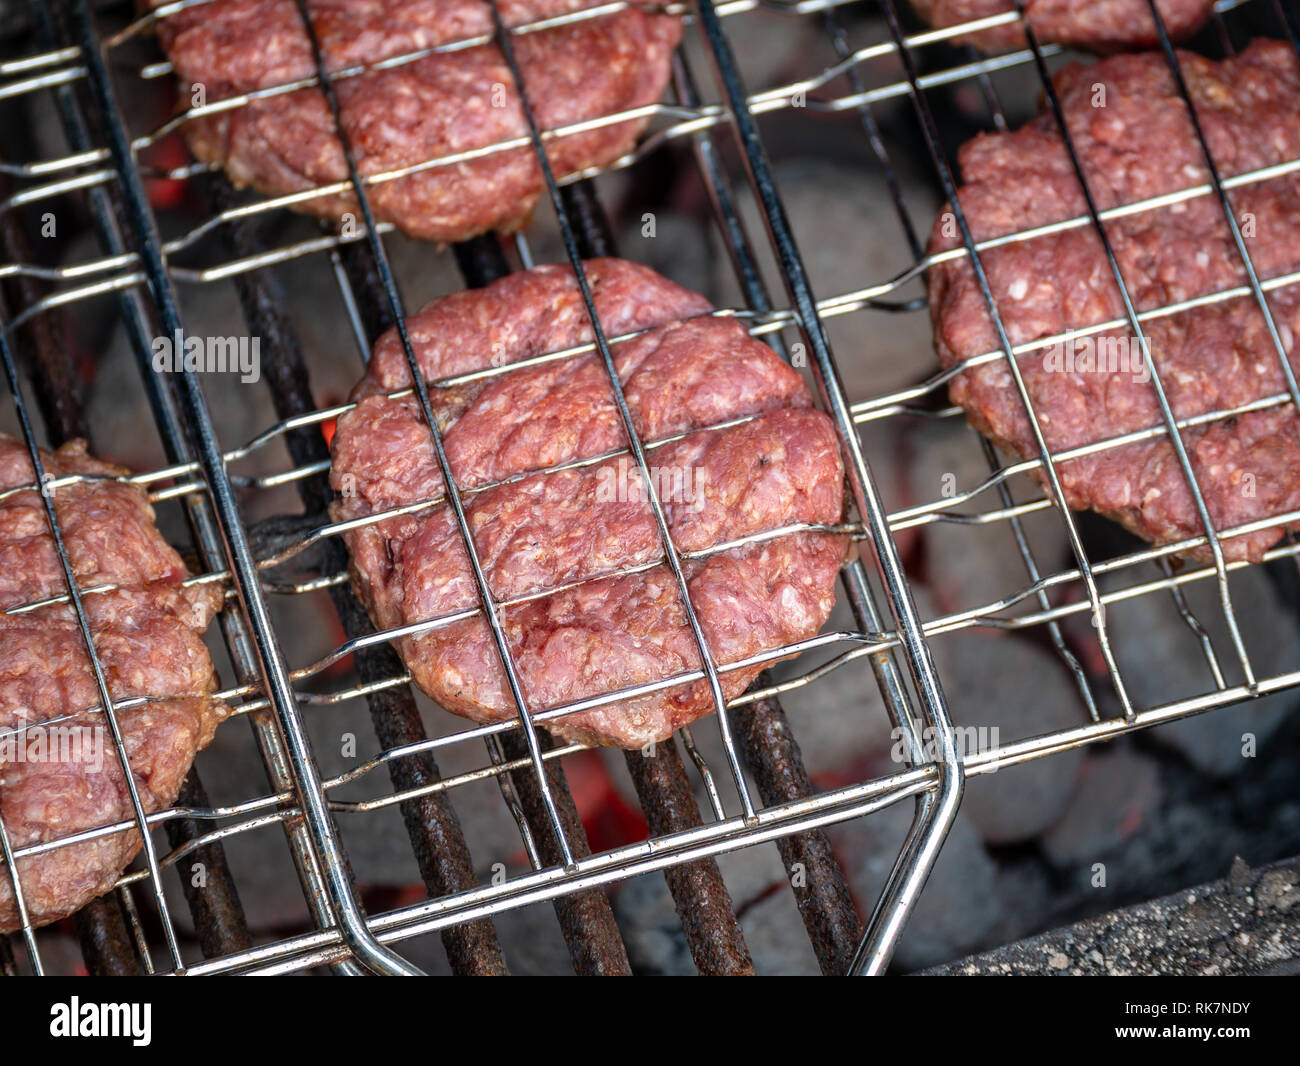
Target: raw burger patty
441, 104
688, 371
1217, 357
1101, 26
65, 777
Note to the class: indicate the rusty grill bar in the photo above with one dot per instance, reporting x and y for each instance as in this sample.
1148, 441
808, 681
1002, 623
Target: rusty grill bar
774, 798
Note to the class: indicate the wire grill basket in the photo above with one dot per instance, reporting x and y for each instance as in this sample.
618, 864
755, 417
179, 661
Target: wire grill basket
235, 496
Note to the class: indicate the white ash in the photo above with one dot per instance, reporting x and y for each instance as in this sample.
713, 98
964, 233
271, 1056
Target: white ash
974, 564
1005, 683
877, 351
1161, 660
963, 899
1118, 790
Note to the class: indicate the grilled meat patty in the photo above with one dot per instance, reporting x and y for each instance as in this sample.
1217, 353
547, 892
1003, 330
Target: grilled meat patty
1099, 26
533, 531
1135, 141
59, 770
404, 115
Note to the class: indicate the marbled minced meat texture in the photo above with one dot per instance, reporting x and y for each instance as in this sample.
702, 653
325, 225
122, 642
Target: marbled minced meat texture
688, 371
438, 105
1100, 26
1140, 144
148, 634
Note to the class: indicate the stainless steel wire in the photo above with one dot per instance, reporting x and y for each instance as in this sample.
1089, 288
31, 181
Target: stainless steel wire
934, 785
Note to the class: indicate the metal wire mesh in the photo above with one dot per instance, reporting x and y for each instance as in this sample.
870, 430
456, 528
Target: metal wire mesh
751, 801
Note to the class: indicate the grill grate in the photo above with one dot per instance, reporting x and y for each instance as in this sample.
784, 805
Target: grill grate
765, 793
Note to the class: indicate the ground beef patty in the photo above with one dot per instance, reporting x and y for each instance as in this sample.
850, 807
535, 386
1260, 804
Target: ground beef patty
404, 115
63, 777
1103, 26
1137, 144
686, 372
